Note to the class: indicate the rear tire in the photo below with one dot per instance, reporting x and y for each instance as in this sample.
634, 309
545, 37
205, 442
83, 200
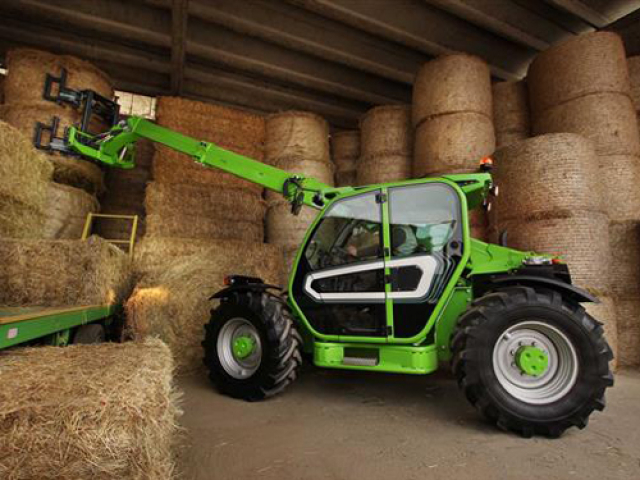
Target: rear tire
272, 361
563, 392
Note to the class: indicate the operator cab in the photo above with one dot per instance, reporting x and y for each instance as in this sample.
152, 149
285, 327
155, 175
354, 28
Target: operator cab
340, 283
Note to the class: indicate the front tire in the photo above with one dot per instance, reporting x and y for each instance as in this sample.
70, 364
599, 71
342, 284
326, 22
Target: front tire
532, 361
252, 348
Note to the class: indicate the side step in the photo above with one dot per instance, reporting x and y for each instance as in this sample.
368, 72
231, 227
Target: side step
376, 357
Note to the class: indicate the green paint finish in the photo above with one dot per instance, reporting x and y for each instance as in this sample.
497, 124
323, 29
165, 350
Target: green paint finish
243, 347
387, 358
456, 305
532, 360
487, 258
43, 322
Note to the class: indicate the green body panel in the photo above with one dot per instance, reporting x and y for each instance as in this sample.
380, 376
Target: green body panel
42, 322
389, 358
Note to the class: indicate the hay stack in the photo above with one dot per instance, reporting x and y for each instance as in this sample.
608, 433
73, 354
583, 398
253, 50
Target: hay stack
345, 147
550, 201
452, 115
66, 211
386, 145
175, 303
583, 65
24, 178
451, 84
25, 106
27, 69
62, 272
511, 117
124, 195
606, 312
296, 134
1, 88
105, 411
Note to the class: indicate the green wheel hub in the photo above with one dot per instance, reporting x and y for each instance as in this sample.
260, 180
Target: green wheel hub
532, 360
243, 347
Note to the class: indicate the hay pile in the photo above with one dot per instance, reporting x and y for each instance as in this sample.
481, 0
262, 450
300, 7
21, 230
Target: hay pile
62, 272
191, 201
25, 106
582, 86
511, 117
105, 411
297, 142
1, 88
452, 115
24, 178
66, 211
173, 303
634, 80
386, 145
345, 148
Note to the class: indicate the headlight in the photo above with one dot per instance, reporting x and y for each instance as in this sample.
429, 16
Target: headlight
537, 261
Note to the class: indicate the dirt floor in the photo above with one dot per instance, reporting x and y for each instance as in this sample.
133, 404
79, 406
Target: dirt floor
348, 425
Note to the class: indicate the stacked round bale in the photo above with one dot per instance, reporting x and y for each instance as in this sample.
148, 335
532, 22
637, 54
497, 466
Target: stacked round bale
297, 142
24, 106
124, 195
511, 117
386, 145
551, 202
582, 86
345, 148
25, 175
192, 201
452, 116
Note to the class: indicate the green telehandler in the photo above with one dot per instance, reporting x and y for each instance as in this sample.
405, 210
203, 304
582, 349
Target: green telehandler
387, 279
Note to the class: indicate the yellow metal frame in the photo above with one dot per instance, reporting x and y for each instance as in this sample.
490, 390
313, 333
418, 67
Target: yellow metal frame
86, 233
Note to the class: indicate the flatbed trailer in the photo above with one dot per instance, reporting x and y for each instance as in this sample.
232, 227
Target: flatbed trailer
54, 325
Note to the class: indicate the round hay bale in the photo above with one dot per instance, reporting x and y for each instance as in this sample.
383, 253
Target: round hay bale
66, 211
345, 145
118, 229
625, 258
1, 89
383, 169
583, 65
619, 178
548, 173
346, 165
67, 170
27, 70
580, 237
628, 310
221, 204
608, 119
452, 142
320, 170
452, 84
19, 220
284, 228
194, 226
170, 166
386, 130
606, 313
346, 179
296, 134
634, 80
511, 118
289, 256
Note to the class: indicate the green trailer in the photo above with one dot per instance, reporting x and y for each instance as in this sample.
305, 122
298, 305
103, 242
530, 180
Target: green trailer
56, 325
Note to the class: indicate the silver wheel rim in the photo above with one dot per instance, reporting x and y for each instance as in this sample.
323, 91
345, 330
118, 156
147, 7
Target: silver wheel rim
236, 367
560, 375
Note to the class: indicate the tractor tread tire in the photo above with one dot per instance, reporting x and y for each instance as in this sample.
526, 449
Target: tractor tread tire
469, 368
281, 342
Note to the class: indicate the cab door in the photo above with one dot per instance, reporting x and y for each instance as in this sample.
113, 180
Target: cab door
424, 243
339, 283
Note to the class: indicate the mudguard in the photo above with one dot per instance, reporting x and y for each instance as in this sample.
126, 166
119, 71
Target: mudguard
571, 291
